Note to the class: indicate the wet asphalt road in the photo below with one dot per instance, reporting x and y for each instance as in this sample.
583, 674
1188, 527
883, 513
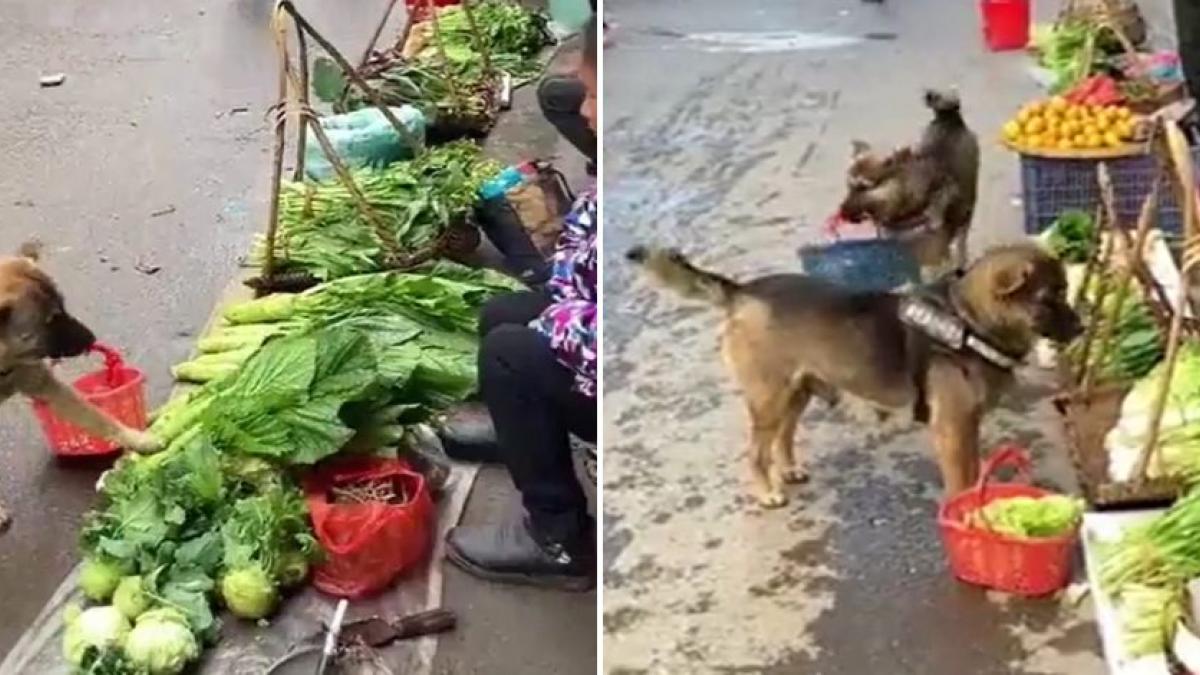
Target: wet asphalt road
729, 139
154, 152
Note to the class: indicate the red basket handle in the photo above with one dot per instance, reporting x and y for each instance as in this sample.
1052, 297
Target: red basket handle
113, 363
1006, 455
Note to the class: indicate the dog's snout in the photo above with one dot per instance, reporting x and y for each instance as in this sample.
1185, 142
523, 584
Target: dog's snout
67, 337
1064, 325
637, 254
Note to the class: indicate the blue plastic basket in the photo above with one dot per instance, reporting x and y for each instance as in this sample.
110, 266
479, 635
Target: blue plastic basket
1051, 186
862, 265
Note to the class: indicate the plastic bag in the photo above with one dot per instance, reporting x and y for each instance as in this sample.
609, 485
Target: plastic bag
367, 546
365, 138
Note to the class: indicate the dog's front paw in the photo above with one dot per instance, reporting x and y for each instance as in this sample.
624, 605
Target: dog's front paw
795, 475
141, 442
772, 499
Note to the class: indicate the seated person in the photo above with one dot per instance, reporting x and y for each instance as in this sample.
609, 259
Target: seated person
537, 378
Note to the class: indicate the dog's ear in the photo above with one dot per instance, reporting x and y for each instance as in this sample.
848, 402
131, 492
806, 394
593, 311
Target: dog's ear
31, 249
1010, 279
858, 148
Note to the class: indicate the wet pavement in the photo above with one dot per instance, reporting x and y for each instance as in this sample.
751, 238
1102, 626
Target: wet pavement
154, 152
728, 129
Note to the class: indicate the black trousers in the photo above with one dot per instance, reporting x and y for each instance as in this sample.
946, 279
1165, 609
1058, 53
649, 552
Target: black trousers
561, 99
1187, 24
534, 410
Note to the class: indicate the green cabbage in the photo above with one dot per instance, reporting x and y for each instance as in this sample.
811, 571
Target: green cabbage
100, 627
249, 592
1179, 429
161, 643
130, 597
1029, 517
98, 578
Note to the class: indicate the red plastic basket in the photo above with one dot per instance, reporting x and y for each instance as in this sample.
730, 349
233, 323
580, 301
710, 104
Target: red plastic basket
118, 389
1029, 567
1005, 24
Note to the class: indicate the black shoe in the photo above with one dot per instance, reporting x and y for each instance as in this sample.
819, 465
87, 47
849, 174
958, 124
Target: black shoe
509, 553
467, 435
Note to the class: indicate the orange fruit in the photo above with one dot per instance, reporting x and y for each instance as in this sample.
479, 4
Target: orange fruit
1112, 140
1035, 125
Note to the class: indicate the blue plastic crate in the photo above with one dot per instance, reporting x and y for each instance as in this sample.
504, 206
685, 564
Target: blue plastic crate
862, 264
1051, 186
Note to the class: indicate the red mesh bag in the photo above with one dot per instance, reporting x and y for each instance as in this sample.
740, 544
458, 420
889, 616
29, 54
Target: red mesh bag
1029, 567
368, 545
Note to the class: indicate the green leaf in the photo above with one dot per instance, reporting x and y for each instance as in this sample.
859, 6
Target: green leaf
328, 81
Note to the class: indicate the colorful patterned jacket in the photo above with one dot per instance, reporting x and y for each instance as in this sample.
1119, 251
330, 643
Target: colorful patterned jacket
570, 320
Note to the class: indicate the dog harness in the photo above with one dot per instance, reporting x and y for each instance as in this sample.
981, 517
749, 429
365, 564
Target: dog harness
934, 325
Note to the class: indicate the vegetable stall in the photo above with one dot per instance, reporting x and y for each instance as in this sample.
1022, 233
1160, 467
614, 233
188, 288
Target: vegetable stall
1130, 386
300, 416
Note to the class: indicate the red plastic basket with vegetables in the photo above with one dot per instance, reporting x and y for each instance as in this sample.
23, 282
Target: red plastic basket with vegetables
374, 519
981, 555
118, 389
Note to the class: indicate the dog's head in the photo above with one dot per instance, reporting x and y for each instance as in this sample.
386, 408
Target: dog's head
873, 186
1022, 289
34, 324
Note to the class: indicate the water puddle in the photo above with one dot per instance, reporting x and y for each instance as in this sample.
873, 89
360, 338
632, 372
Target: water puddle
769, 42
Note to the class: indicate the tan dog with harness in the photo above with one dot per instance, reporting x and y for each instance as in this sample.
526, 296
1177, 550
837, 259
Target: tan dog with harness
946, 354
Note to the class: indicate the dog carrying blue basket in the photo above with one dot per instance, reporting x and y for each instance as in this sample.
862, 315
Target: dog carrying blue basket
862, 264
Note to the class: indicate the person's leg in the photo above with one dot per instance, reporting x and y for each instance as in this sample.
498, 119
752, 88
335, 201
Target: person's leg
512, 308
561, 97
533, 408
1187, 25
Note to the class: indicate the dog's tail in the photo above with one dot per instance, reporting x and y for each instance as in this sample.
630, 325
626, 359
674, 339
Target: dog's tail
670, 268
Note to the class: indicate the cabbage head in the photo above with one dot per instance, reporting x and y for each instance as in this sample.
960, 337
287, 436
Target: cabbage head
100, 627
161, 643
130, 597
98, 578
249, 592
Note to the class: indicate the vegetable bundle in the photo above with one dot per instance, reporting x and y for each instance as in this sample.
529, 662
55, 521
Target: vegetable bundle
1072, 50
513, 35
1137, 343
322, 231
1178, 452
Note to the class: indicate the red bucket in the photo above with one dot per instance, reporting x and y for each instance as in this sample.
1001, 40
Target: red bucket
1029, 567
118, 390
1005, 24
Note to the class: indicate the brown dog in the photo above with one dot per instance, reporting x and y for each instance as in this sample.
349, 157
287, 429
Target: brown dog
925, 193
34, 327
788, 337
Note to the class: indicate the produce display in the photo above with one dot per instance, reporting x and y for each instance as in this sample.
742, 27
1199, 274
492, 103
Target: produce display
457, 90
1146, 570
323, 232
1072, 50
1029, 517
514, 37
216, 517
1059, 124
1179, 431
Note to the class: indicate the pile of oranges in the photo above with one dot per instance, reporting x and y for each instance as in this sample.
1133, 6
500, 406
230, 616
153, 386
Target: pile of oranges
1058, 124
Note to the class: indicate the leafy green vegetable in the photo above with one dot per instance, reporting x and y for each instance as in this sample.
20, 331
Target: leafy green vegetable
322, 231
161, 643
1137, 344
249, 592
1179, 430
1070, 237
1029, 517
130, 597
1148, 617
514, 37
101, 627
98, 578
